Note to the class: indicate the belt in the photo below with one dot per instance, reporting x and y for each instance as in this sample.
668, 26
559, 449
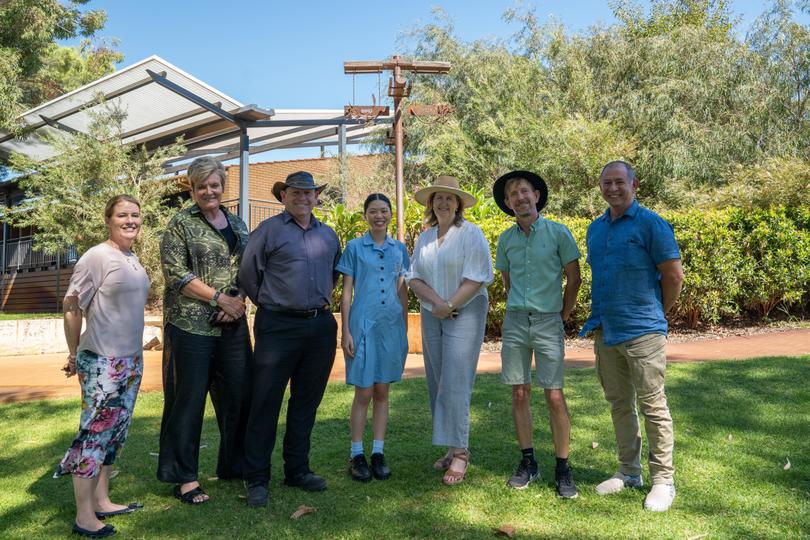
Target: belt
299, 313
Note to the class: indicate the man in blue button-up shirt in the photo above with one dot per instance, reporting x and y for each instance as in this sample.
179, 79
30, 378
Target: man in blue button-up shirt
637, 277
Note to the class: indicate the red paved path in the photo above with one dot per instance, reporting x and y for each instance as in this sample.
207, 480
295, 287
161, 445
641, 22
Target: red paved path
37, 377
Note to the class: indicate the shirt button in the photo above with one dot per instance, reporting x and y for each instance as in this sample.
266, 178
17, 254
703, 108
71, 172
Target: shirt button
382, 290
381, 256
382, 279
383, 301
382, 268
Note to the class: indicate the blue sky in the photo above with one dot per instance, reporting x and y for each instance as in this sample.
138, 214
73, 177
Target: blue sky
290, 54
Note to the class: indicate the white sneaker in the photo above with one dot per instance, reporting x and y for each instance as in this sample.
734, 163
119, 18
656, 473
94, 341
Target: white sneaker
660, 497
618, 482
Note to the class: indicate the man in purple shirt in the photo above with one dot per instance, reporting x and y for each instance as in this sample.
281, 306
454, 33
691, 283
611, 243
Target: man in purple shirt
637, 277
288, 272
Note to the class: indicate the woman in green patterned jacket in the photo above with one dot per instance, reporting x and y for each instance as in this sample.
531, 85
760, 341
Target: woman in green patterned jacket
207, 344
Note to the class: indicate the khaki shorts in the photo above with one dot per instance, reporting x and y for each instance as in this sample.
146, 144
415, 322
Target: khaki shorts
525, 333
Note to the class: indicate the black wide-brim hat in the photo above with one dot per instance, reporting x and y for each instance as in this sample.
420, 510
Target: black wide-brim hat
300, 180
498, 189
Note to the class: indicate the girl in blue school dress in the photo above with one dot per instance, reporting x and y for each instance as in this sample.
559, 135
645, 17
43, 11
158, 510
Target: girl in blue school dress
374, 338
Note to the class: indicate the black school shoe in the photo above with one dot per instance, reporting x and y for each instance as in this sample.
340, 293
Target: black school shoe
379, 468
308, 481
257, 495
358, 468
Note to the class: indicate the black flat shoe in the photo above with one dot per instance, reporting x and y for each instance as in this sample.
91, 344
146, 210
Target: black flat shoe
106, 530
308, 481
379, 468
131, 507
358, 468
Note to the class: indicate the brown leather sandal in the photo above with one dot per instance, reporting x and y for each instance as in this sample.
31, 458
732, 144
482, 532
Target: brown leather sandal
442, 464
451, 477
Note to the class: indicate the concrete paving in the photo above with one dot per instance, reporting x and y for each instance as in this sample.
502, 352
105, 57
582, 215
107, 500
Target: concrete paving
24, 378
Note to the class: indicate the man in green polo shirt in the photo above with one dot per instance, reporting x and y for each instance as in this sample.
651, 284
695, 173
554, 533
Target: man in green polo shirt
532, 256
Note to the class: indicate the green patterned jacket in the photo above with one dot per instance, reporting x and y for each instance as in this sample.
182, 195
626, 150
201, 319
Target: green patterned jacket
192, 248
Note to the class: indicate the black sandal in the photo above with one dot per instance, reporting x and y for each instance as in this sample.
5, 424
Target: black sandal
188, 496
105, 531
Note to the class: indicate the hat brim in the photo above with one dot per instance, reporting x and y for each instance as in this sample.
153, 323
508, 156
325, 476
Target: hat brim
278, 187
424, 194
499, 187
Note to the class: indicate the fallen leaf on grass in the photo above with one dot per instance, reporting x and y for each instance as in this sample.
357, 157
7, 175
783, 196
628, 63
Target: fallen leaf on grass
241, 496
729, 437
166, 507
154, 454
301, 511
213, 478
698, 537
787, 465
489, 405
594, 445
203, 446
114, 474
505, 530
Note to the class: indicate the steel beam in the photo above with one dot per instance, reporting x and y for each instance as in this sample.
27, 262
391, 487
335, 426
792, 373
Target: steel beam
311, 122
192, 97
160, 123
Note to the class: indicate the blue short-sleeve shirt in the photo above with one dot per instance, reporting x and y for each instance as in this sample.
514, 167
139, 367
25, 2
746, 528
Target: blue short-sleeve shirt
624, 255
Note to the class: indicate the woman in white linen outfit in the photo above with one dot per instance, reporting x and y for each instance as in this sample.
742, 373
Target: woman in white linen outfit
451, 267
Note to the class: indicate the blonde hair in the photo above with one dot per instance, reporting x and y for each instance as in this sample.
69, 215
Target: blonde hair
430, 216
203, 167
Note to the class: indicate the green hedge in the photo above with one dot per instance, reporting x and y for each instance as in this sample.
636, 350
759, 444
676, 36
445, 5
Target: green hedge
737, 262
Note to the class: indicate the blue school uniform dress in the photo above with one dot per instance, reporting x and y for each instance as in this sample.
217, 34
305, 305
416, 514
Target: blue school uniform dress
376, 321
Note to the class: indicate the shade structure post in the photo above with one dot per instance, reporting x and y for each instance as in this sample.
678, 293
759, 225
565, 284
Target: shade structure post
244, 177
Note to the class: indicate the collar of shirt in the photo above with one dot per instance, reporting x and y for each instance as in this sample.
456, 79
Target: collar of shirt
630, 212
287, 217
368, 240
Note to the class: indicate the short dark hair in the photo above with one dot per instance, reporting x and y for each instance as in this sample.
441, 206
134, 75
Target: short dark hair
631, 172
376, 197
108, 208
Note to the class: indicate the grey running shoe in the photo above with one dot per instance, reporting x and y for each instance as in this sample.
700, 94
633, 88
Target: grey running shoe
565, 484
525, 474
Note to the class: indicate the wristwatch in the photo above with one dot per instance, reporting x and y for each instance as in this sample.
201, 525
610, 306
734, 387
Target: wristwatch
214, 299
450, 305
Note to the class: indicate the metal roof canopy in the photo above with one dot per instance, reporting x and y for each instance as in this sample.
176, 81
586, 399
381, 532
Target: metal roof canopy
163, 103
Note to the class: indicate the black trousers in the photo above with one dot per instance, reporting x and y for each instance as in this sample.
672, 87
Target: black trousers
193, 365
295, 351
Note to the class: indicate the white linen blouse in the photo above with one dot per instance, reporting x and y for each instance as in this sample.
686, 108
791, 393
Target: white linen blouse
463, 254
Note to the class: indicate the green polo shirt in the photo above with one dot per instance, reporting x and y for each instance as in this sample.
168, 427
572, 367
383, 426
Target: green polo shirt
535, 264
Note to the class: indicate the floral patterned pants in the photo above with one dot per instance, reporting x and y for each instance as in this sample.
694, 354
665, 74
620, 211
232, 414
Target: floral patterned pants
109, 388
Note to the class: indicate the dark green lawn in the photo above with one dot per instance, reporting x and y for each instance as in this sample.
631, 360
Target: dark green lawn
736, 425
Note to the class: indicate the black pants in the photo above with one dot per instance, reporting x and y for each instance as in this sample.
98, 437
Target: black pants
193, 365
294, 350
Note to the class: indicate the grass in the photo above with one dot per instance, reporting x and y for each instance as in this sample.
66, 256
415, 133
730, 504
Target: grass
24, 316
736, 424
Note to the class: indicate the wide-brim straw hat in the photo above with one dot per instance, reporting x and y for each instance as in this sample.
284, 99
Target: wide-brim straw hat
446, 184
300, 180
499, 187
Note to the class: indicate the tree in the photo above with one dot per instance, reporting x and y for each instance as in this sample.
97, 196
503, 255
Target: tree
29, 57
67, 195
671, 88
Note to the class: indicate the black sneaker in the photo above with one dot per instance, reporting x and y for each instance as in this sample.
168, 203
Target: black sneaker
565, 484
358, 468
525, 473
379, 468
